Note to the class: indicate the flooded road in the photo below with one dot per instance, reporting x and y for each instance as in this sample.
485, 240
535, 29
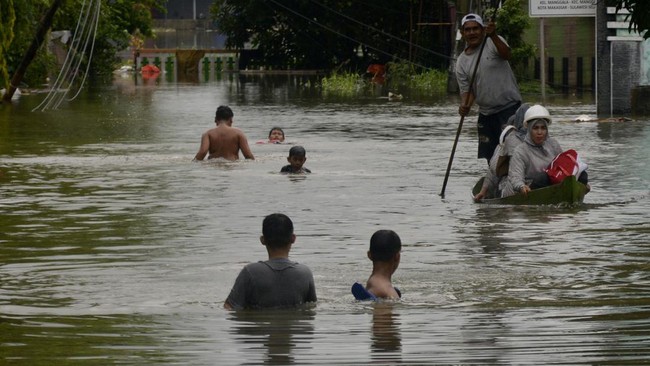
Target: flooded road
116, 249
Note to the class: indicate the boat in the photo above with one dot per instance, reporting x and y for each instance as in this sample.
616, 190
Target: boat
569, 192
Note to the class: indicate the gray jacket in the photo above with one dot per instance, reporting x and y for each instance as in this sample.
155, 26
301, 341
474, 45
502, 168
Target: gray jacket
529, 159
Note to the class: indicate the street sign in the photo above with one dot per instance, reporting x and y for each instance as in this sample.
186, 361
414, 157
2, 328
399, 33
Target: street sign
562, 8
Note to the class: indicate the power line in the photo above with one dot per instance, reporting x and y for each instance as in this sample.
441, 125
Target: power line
381, 31
85, 32
346, 36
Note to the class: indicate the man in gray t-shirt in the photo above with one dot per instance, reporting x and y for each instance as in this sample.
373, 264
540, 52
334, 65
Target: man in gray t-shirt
495, 88
277, 282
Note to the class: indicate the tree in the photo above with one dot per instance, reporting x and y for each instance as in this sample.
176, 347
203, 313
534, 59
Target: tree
7, 20
118, 20
323, 34
512, 21
639, 16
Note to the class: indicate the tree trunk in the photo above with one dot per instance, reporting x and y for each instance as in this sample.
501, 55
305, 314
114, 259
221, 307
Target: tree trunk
45, 25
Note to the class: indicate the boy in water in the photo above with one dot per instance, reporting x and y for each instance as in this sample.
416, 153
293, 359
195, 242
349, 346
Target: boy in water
277, 282
276, 136
296, 159
224, 141
385, 248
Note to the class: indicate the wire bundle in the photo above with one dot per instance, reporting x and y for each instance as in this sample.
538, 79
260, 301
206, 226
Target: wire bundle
83, 43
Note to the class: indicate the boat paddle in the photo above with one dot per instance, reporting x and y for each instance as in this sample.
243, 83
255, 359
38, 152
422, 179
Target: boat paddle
465, 102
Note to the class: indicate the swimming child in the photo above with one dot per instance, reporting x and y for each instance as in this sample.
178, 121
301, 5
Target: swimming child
385, 249
296, 159
276, 136
277, 282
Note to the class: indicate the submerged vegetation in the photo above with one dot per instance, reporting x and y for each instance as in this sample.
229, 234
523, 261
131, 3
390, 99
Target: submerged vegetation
345, 84
401, 77
425, 83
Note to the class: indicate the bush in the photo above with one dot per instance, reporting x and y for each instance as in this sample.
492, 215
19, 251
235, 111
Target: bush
343, 84
401, 78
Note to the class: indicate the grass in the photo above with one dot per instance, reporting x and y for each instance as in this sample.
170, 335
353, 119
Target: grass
401, 79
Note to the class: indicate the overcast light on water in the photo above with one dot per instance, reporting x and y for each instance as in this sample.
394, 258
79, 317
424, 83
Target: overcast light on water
115, 248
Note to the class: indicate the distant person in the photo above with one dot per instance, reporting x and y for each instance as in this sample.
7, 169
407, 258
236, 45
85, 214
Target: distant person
224, 141
385, 251
276, 282
297, 157
495, 89
276, 136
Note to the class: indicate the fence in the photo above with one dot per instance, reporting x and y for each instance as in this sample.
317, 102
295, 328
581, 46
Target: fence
568, 74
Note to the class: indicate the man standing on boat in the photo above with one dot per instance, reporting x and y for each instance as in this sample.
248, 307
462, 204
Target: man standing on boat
495, 89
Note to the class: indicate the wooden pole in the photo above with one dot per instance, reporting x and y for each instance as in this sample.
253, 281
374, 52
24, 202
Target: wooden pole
462, 118
542, 59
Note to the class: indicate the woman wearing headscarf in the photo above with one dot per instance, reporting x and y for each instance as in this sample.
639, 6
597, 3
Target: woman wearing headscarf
526, 170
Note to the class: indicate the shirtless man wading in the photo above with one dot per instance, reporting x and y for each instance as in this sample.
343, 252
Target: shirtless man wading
224, 141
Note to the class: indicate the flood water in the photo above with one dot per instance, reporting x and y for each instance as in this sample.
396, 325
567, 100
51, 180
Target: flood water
115, 248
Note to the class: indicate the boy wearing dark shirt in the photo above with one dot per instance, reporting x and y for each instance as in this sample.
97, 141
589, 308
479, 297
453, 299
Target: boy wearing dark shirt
296, 159
277, 282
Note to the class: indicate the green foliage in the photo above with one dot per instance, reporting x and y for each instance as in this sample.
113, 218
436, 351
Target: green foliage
430, 82
405, 77
399, 75
118, 20
7, 19
534, 87
306, 34
26, 22
343, 84
639, 16
512, 22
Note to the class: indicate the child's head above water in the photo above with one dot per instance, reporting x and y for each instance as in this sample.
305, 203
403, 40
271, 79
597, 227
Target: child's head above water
298, 151
276, 135
297, 157
277, 230
384, 244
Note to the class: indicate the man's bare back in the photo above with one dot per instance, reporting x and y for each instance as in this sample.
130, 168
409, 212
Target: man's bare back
224, 141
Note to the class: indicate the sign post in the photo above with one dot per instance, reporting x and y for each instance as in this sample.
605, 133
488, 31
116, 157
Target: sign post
556, 8
562, 8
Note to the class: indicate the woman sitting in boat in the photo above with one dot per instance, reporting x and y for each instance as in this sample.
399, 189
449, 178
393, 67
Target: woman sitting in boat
526, 170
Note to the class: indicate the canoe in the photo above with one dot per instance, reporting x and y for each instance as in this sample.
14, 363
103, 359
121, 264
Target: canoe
570, 192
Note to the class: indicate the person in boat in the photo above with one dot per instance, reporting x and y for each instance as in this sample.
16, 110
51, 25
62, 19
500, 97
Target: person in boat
276, 136
495, 88
224, 141
297, 157
530, 159
512, 135
385, 252
277, 282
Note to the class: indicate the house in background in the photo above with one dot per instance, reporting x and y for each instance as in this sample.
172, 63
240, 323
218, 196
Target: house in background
187, 44
186, 25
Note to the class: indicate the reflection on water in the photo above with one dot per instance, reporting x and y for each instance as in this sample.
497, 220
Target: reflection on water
273, 334
116, 248
386, 338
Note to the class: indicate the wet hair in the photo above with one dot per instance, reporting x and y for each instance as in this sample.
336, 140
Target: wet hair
224, 113
384, 244
274, 129
297, 151
277, 229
